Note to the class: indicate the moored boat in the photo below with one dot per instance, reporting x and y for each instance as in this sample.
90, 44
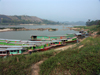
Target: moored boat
47, 37
11, 51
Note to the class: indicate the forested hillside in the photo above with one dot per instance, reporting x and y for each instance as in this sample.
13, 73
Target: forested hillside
24, 19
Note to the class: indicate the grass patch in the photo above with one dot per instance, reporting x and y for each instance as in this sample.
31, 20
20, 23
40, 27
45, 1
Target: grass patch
91, 28
83, 61
20, 65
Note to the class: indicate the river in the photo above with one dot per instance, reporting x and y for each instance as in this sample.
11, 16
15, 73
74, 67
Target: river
25, 35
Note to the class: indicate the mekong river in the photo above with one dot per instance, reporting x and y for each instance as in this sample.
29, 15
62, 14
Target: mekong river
25, 35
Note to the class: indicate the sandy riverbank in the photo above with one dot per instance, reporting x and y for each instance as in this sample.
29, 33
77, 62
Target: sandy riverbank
4, 30
77, 29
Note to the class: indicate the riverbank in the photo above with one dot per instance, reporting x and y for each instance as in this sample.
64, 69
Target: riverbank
5, 30
77, 28
83, 58
25, 29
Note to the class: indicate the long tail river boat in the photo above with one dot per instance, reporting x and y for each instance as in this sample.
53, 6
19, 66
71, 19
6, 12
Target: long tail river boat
16, 47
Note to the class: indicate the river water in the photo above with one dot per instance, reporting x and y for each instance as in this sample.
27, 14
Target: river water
25, 35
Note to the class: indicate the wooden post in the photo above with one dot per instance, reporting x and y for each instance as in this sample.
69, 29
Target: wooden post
17, 59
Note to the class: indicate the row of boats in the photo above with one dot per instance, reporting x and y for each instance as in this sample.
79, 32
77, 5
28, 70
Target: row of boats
37, 43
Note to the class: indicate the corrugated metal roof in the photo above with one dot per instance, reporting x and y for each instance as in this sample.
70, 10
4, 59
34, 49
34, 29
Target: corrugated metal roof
3, 49
10, 46
50, 35
2, 39
11, 40
56, 41
78, 34
62, 39
14, 49
24, 41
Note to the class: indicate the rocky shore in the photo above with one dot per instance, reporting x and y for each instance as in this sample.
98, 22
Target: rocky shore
23, 29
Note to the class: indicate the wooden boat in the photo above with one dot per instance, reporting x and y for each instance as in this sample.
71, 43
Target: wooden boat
41, 47
45, 48
46, 45
11, 51
46, 37
31, 46
70, 40
56, 43
3, 52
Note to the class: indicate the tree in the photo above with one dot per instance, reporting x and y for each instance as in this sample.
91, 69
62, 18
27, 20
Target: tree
89, 23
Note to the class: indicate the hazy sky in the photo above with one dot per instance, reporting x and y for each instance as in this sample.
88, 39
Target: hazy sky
56, 10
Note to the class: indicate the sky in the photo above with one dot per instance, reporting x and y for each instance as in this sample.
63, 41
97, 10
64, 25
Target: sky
55, 10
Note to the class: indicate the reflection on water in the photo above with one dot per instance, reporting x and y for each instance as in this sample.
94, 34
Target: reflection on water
25, 35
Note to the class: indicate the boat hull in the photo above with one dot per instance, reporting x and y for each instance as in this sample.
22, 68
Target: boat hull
46, 48
71, 41
9, 54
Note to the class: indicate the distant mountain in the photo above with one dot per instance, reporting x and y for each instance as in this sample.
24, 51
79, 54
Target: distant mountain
24, 19
75, 23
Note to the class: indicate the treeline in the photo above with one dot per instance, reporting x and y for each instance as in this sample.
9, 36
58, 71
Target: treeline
49, 22
74, 23
15, 21
7, 21
90, 23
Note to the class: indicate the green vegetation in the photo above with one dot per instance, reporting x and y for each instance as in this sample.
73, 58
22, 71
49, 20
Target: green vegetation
90, 28
98, 29
83, 61
49, 22
21, 64
11, 22
14, 20
90, 23
6, 21
11, 27
74, 23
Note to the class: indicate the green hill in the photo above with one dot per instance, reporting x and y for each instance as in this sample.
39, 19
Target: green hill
24, 19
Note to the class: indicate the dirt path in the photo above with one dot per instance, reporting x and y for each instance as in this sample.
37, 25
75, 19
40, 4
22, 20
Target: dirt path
68, 46
35, 68
65, 47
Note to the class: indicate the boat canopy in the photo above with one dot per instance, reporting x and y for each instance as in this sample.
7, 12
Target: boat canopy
24, 41
56, 41
2, 39
78, 34
3, 49
14, 49
5, 46
13, 40
9, 49
50, 35
62, 39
